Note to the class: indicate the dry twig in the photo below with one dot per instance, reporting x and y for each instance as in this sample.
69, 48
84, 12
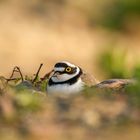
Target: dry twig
16, 69
36, 75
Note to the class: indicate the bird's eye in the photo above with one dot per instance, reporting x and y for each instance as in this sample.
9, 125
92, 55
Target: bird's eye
68, 69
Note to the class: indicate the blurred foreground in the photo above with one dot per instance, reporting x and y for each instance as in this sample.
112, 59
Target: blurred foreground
92, 115
98, 113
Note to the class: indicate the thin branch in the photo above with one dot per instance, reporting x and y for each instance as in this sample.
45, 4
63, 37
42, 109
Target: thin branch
20, 73
11, 79
36, 75
15, 69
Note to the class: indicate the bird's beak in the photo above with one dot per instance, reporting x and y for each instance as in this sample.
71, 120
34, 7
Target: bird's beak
51, 73
55, 74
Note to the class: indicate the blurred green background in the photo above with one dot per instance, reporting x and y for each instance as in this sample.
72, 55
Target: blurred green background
100, 36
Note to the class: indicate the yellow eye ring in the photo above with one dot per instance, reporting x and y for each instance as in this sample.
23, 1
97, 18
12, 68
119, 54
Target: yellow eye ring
68, 69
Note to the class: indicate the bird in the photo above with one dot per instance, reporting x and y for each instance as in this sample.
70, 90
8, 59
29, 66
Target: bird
68, 78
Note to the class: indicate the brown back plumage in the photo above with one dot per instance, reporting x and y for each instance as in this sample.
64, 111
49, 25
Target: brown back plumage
88, 79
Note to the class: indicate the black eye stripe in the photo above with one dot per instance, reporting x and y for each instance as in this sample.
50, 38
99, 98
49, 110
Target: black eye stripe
71, 72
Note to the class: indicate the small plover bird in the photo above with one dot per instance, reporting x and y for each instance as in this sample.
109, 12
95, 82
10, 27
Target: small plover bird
68, 78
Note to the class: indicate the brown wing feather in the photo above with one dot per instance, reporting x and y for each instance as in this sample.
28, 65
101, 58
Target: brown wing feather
88, 79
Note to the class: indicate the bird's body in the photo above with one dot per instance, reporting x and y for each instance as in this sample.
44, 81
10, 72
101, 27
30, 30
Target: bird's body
66, 78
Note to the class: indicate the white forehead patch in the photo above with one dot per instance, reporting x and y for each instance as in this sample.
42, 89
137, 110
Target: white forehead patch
59, 69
